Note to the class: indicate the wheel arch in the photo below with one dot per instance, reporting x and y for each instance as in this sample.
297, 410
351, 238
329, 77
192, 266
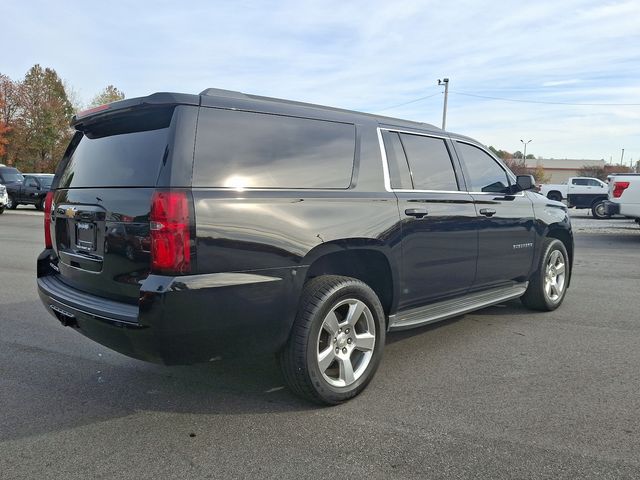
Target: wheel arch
554, 193
562, 234
367, 260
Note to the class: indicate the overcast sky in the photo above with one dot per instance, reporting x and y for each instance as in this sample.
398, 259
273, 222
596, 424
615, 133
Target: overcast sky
369, 56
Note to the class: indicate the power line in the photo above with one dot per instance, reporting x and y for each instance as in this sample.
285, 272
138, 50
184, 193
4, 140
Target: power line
548, 103
407, 103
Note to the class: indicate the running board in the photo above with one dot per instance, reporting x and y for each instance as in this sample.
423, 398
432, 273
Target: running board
452, 308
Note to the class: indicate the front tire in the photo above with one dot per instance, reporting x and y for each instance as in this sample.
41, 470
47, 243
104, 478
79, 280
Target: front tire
1, 210
548, 285
336, 341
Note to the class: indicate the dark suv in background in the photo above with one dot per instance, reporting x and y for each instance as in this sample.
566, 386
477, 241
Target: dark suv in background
31, 191
271, 226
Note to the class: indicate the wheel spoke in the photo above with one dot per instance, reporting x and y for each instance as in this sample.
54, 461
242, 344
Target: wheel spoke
331, 323
355, 312
326, 358
346, 371
365, 341
560, 268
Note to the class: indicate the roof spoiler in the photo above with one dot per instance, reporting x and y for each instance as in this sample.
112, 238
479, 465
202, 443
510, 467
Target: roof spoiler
156, 99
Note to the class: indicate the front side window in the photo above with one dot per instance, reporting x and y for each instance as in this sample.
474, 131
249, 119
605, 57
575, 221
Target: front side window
486, 175
243, 149
31, 182
430, 163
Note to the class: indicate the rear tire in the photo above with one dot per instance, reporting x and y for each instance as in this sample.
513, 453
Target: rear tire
39, 205
336, 341
598, 211
548, 285
11, 204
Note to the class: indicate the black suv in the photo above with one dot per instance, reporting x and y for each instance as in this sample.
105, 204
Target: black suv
182, 228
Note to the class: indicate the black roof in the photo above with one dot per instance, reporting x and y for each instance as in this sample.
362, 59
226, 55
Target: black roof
224, 98
213, 97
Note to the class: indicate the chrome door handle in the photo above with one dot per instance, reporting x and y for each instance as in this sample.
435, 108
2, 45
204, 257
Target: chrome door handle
487, 212
416, 212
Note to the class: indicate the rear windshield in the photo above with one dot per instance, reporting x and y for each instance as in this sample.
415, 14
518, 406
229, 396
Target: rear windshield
123, 151
10, 175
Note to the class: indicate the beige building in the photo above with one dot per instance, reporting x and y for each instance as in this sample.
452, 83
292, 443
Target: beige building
561, 170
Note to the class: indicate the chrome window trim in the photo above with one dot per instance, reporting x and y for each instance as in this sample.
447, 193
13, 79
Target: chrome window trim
385, 162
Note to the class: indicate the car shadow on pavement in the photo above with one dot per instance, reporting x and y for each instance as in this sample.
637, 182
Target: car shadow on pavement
52, 389
48, 391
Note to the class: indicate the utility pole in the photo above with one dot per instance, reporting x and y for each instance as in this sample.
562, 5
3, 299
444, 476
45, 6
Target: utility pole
444, 82
622, 157
524, 155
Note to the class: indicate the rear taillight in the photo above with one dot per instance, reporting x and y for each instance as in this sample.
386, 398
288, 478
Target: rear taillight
618, 188
170, 237
48, 200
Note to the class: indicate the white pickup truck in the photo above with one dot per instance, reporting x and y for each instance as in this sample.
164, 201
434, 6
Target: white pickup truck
580, 192
624, 196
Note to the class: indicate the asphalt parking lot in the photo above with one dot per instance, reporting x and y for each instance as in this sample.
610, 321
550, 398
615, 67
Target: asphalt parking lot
501, 393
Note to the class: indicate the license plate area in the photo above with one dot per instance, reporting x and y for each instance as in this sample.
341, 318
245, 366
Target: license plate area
86, 236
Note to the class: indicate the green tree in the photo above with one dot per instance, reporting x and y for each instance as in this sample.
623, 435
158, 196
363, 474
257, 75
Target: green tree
44, 122
108, 95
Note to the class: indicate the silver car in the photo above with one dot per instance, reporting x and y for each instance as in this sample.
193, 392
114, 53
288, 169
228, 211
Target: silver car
4, 198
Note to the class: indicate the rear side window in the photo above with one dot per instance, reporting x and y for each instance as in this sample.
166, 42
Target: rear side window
399, 174
486, 175
430, 162
123, 151
242, 149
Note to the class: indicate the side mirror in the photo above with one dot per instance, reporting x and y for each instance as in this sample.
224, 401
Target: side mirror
524, 182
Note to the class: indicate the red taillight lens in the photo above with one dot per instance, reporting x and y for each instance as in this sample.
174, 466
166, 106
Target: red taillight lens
48, 200
618, 188
170, 237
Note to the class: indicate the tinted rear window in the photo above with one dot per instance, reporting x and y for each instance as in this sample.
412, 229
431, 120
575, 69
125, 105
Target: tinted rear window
124, 151
430, 163
242, 149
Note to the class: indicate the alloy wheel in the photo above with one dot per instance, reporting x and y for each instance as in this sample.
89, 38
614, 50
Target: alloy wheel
346, 342
555, 276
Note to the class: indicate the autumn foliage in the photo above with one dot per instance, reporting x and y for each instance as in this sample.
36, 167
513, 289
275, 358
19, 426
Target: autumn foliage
35, 116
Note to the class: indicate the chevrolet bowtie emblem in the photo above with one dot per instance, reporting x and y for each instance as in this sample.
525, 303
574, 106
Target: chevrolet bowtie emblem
70, 212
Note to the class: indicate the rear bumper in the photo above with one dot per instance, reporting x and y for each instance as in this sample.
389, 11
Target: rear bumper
611, 208
181, 320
